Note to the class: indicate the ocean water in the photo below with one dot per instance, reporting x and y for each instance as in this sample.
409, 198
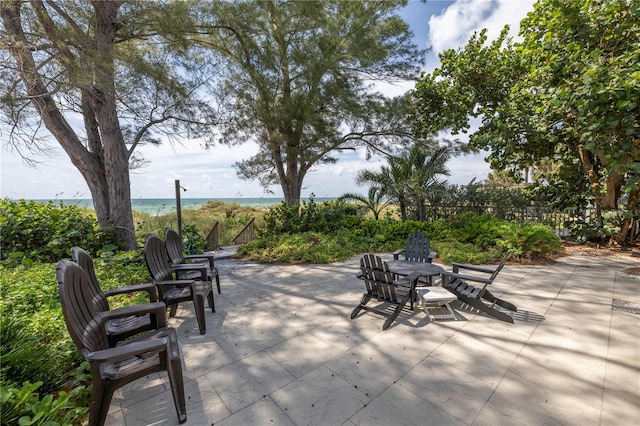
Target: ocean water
158, 206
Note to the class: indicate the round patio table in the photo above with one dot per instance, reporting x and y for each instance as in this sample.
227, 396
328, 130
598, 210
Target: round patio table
406, 267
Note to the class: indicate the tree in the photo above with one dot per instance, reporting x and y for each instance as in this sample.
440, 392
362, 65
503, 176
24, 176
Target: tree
567, 94
410, 178
296, 81
375, 200
115, 66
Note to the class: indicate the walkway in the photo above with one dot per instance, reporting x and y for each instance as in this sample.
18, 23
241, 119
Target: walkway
281, 350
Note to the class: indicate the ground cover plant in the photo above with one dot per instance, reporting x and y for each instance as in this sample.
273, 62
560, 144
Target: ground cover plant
330, 232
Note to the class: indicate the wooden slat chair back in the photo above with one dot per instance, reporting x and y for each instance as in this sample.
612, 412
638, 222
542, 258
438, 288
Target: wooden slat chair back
380, 285
417, 249
172, 290
472, 289
113, 367
175, 250
124, 327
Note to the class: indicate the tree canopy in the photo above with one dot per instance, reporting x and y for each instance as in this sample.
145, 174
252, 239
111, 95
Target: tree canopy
567, 94
298, 80
103, 77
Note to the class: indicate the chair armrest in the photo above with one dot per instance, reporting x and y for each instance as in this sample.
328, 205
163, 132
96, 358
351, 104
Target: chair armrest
159, 309
191, 267
397, 253
208, 257
433, 255
177, 283
127, 350
449, 275
148, 287
408, 281
485, 269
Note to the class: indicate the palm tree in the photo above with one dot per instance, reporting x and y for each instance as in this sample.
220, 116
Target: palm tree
376, 200
391, 180
409, 178
424, 176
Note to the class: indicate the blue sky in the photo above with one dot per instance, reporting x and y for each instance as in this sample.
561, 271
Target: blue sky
209, 173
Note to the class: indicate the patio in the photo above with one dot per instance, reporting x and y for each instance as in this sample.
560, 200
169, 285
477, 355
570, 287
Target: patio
282, 350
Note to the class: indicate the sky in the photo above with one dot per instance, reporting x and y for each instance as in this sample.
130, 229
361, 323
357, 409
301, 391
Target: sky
437, 24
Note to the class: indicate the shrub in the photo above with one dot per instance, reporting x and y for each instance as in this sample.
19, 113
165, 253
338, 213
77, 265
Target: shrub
23, 405
309, 217
34, 341
45, 232
468, 238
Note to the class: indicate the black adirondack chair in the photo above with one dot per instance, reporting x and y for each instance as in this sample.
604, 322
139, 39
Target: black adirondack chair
120, 328
175, 250
114, 367
380, 285
472, 289
173, 290
416, 249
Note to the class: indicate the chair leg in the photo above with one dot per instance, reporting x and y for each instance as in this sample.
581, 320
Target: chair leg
212, 304
357, 309
100, 401
198, 304
173, 309
174, 370
397, 311
218, 282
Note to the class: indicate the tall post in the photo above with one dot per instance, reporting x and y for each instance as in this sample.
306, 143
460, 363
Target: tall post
178, 208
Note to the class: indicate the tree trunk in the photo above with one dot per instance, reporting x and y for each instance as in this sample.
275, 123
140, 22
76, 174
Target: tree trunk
105, 165
116, 155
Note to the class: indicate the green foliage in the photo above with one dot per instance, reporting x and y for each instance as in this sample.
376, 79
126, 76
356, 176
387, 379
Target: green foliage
412, 178
566, 95
23, 406
309, 216
45, 232
375, 202
456, 251
486, 232
304, 247
468, 238
192, 240
34, 340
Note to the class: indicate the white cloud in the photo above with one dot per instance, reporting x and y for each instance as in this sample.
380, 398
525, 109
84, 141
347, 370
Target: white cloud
455, 26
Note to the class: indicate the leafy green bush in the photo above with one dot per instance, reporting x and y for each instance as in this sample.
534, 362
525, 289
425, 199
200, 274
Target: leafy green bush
309, 217
468, 238
23, 405
34, 341
45, 232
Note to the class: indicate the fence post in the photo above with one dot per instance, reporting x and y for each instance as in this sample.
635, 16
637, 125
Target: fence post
178, 208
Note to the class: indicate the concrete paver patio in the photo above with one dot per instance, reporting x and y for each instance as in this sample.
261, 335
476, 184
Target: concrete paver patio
281, 350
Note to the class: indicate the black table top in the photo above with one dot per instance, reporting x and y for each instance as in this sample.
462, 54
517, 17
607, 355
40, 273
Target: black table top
406, 267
